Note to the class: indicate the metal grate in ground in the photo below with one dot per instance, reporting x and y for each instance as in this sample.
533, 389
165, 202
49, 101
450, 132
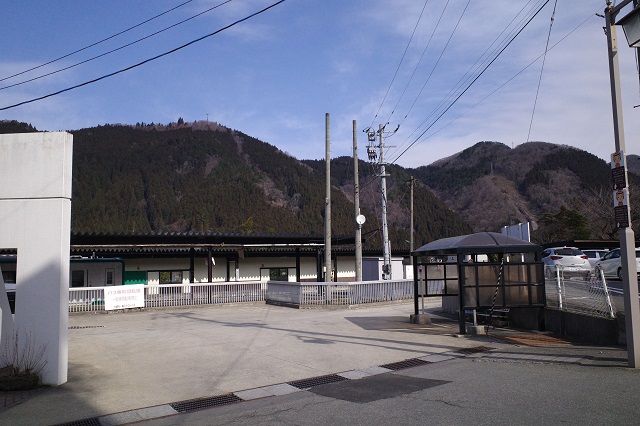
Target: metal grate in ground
407, 363
317, 381
86, 422
77, 327
200, 403
474, 350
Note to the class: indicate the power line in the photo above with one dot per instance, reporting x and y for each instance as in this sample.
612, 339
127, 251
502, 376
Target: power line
472, 82
116, 49
401, 60
475, 68
544, 59
145, 61
512, 77
417, 65
97, 42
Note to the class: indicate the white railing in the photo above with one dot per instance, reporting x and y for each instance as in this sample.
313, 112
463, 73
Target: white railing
87, 299
345, 293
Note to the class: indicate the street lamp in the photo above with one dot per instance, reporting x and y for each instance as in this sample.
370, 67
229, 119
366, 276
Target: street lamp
631, 26
627, 237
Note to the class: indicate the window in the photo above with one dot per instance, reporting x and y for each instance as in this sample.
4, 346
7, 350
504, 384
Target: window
9, 277
109, 273
77, 278
279, 274
170, 277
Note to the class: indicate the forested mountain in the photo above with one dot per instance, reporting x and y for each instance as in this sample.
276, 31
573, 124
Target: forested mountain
565, 190
203, 177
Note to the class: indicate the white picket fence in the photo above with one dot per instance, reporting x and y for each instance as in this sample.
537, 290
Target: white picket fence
88, 299
345, 293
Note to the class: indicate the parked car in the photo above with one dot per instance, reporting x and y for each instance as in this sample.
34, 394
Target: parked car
611, 264
594, 255
570, 260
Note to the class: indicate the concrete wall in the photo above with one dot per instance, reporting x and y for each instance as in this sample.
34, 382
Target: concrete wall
600, 331
35, 207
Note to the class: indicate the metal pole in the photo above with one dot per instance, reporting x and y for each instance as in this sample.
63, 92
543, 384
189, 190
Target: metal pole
327, 205
386, 264
627, 238
356, 205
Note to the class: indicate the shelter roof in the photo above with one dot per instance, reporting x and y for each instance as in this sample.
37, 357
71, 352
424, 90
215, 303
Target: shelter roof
481, 242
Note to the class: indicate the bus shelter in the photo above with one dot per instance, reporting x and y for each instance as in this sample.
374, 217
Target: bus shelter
486, 270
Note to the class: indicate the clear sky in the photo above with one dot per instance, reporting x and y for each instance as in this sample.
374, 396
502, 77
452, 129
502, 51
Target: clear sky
275, 75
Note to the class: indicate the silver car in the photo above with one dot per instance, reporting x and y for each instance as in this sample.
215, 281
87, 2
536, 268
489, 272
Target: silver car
611, 264
570, 260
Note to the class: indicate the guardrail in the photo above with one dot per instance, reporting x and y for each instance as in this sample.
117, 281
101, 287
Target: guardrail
88, 299
344, 293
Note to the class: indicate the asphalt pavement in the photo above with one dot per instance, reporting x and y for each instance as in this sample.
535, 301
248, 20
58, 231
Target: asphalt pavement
263, 364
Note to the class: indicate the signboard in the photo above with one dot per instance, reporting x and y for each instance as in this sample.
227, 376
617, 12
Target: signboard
124, 297
618, 170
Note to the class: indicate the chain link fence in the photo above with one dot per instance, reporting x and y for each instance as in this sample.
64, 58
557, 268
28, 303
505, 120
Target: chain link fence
575, 294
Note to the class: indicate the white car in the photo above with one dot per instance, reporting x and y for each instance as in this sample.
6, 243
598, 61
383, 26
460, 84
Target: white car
570, 260
611, 264
594, 255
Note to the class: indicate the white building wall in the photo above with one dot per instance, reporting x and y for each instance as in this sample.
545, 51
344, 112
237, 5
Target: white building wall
35, 207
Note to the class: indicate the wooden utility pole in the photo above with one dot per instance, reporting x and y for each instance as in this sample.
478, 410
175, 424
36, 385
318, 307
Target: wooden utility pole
411, 183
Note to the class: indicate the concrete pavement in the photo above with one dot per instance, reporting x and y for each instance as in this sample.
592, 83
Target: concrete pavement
246, 360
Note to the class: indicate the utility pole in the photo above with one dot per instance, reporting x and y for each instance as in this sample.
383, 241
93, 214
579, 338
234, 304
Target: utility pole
386, 264
411, 184
359, 219
327, 205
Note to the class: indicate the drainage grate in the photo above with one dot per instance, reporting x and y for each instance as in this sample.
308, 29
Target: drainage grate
86, 422
405, 364
200, 403
317, 381
76, 327
477, 349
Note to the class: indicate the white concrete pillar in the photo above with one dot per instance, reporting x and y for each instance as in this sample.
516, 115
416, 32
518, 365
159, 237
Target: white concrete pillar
35, 219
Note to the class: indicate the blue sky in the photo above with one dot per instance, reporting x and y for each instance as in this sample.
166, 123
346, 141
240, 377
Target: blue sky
275, 76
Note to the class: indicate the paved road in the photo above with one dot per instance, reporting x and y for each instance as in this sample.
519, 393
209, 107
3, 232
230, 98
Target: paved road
141, 365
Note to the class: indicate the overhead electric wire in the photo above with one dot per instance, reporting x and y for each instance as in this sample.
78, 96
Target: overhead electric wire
118, 48
544, 59
417, 65
97, 42
472, 82
435, 65
512, 77
399, 65
477, 66
145, 61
